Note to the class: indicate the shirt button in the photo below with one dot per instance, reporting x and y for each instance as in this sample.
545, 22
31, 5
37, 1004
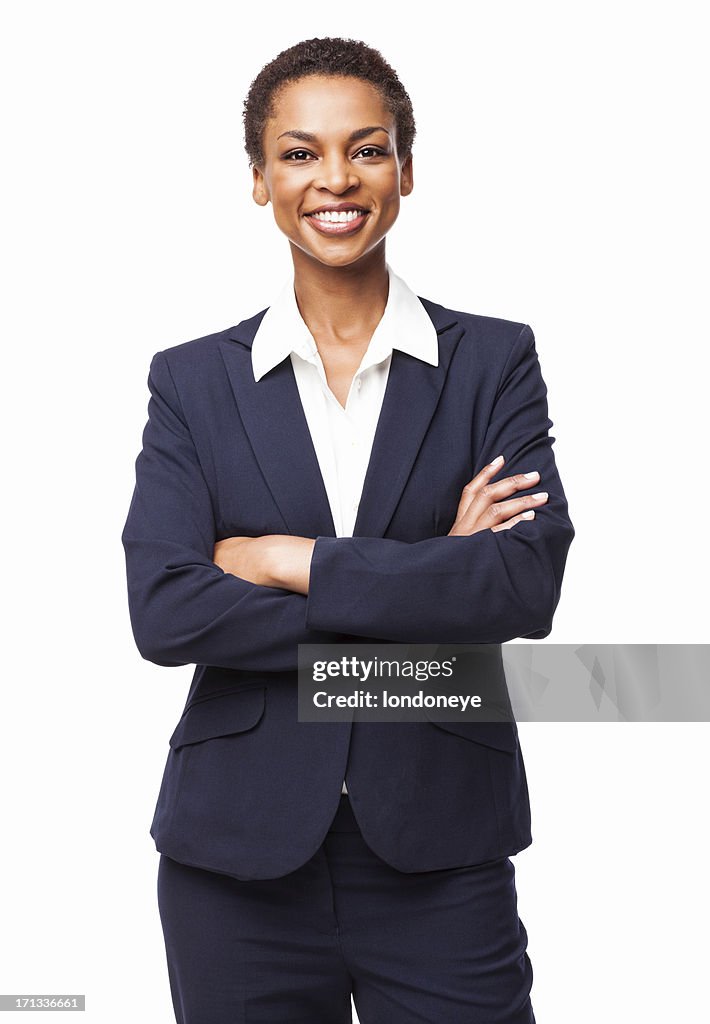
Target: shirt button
358, 383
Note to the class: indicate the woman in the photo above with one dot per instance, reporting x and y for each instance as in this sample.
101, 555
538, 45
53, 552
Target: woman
331, 470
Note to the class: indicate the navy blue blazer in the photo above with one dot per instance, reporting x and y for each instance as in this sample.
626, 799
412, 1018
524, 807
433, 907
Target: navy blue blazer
248, 790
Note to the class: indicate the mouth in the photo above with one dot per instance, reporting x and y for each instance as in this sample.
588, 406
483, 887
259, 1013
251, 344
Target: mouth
343, 221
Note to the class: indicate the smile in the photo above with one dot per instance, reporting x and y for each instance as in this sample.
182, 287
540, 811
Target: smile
337, 222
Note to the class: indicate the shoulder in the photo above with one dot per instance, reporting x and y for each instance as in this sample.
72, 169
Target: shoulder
474, 324
491, 337
202, 355
196, 351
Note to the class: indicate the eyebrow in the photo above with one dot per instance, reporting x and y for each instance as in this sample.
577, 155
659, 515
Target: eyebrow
359, 133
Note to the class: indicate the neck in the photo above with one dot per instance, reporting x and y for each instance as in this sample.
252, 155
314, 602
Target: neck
341, 304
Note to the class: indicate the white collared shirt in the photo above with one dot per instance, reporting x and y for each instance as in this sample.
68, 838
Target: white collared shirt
342, 437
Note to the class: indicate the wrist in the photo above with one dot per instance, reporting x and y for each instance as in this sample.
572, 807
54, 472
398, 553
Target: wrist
289, 562
274, 562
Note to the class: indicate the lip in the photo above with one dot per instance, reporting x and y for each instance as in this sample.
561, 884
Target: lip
333, 228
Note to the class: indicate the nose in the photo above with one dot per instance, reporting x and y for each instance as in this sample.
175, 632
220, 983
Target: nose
336, 174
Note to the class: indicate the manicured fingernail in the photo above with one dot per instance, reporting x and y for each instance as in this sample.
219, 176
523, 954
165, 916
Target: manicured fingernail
540, 494
531, 476
497, 461
530, 514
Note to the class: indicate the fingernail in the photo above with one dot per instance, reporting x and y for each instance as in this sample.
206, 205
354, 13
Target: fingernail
531, 476
497, 461
540, 494
530, 514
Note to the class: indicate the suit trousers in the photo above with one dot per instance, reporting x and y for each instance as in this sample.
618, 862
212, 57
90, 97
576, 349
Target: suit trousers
432, 947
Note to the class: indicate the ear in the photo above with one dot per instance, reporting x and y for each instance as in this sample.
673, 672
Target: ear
260, 192
406, 181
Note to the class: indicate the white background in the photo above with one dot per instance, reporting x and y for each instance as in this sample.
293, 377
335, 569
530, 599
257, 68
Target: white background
560, 180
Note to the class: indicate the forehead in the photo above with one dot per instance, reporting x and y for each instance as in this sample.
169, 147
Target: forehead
327, 104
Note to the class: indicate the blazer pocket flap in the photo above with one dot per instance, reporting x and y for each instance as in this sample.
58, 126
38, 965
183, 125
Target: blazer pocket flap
219, 716
499, 735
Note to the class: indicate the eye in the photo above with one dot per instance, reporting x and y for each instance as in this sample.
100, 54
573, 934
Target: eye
371, 151
296, 155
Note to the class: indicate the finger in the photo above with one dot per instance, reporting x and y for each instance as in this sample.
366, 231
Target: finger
501, 512
490, 493
483, 516
529, 514
510, 485
479, 480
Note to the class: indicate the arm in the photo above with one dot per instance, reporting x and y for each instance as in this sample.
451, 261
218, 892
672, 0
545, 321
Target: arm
489, 587
184, 609
282, 560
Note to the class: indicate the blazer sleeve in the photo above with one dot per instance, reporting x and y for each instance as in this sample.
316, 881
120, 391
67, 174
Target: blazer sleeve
183, 608
485, 588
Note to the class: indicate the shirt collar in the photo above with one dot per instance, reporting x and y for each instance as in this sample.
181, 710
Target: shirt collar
405, 325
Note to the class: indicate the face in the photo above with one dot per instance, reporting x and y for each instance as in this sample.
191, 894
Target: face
331, 169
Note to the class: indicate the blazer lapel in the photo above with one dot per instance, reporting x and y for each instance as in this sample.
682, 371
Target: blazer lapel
277, 428
276, 424
411, 397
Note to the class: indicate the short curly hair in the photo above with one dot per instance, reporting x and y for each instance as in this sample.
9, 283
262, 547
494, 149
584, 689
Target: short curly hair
350, 58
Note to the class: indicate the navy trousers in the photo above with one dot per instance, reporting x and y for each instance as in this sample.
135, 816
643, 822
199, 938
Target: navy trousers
433, 947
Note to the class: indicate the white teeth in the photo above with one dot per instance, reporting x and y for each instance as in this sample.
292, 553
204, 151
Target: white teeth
337, 216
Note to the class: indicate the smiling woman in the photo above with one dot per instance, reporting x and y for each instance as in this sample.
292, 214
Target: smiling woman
328, 470
353, 156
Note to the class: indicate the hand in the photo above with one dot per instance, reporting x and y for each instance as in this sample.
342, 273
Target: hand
274, 560
482, 506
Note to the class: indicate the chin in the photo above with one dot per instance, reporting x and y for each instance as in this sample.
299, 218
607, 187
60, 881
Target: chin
342, 258
343, 261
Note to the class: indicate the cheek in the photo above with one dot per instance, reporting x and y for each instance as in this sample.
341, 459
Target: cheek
389, 188
284, 193
392, 202
285, 206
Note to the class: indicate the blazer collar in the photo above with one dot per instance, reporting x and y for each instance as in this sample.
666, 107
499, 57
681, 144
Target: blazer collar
276, 425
